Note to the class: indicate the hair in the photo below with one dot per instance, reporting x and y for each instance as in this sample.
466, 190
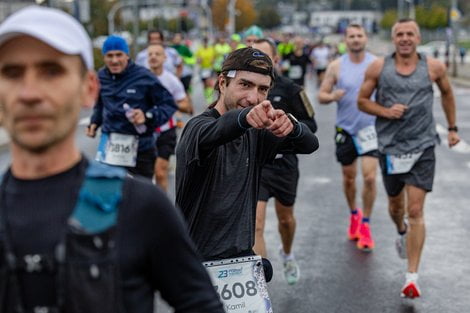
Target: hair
157, 44
405, 20
155, 31
270, 42
354, 25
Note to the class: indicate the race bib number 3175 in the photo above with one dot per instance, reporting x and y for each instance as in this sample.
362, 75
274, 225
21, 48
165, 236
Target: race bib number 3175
240, 284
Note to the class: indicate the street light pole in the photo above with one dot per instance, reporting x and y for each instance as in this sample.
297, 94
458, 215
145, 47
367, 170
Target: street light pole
453, 21
231, 16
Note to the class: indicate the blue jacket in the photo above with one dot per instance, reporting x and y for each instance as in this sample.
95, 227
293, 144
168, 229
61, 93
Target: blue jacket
139, 88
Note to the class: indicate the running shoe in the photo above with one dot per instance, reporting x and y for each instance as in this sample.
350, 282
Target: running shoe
291, 269
365, 242
411, 289
354, 223
400, 244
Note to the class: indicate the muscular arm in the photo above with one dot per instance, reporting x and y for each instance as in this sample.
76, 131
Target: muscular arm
437, 73
326, 94
370, 83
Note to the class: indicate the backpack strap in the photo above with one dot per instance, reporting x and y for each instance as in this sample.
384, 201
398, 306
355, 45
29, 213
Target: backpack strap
99, 198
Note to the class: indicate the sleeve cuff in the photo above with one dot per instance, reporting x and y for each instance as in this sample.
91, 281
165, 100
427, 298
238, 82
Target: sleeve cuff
242, 123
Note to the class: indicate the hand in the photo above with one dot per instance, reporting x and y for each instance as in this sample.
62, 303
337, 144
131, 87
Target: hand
396, 111
138, 117
338, 94
91, 130
282, 125
453, 138
261, 115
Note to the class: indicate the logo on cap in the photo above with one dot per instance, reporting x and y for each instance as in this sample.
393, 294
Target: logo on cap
258, 54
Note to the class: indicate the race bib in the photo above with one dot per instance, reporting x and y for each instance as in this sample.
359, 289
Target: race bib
118, 149
240, 284
401, 163
295, 72
365, 140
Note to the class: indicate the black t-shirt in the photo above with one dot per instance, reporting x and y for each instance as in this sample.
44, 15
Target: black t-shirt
297, 67
219, 159
285, 95
155, 252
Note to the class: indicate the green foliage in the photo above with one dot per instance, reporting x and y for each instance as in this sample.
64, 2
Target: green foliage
389, 18
428, 18
268, 17
98, 57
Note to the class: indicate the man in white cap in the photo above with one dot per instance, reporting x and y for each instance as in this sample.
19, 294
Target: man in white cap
63, 247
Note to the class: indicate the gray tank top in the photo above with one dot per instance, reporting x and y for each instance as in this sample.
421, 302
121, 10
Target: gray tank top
416, 130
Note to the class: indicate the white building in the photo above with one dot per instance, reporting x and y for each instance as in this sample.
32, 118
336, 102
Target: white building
338, 19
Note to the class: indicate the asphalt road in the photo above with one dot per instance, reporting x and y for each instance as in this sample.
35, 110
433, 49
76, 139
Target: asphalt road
335, 276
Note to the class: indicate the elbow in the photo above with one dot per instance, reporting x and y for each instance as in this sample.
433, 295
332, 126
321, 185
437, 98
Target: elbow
312, 146
360, 105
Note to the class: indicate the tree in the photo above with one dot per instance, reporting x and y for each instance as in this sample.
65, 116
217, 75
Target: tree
268, 17
389, 18
246, 14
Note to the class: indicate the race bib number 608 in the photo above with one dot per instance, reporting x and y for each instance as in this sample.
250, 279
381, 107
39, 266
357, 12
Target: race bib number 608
240, 284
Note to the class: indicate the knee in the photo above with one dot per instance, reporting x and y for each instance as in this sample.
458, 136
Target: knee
349, 181
395, 206
286, 220
415, 212
259, 229
369, 181
160, 174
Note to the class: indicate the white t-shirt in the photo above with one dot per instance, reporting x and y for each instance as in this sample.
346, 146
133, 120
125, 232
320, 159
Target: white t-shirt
321, 57
176, 89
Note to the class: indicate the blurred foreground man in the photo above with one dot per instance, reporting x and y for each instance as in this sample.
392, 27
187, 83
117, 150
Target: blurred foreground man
78, 236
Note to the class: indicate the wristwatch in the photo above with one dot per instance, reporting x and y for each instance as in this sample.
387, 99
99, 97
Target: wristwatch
292, 119
453, 129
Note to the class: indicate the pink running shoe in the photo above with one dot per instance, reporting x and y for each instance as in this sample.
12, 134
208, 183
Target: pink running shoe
365, 242
354, 223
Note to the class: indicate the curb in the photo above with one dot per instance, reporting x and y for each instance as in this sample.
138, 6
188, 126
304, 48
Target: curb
460, 81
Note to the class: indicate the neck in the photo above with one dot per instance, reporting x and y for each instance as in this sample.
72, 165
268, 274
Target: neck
157, 70
57, 159
406, 60
220, 106
357, 57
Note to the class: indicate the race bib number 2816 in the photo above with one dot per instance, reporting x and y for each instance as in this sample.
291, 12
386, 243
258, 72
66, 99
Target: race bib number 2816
240, 284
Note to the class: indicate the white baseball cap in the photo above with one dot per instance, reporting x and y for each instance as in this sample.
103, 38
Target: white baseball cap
53, 27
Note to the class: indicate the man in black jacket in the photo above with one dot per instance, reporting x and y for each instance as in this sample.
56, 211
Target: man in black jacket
279, 178
54, 209
222, 151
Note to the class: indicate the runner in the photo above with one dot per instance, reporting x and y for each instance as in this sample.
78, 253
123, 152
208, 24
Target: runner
295, 63
407, 135
173, 62
279, 179
251, 34
206, 57
132, 103
166, 140
342, 82
320, 57
221, 151
78, 236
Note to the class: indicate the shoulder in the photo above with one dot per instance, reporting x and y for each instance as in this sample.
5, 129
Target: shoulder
436, 67
375, 67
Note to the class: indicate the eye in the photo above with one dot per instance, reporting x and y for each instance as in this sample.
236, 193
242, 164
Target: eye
12, 71
52, 70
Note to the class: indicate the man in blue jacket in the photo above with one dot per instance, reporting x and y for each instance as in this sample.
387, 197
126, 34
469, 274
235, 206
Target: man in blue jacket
131, 104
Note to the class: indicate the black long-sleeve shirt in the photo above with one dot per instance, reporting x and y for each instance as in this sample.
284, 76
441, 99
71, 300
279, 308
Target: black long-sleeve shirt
219, 160
155, 252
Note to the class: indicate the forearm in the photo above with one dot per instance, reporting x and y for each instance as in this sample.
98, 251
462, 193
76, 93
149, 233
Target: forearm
97, 116
373, 108
226, 128
325, 97
300, 141
448, 105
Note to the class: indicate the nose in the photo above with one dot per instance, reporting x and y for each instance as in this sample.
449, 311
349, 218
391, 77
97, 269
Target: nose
252, 97
30, 89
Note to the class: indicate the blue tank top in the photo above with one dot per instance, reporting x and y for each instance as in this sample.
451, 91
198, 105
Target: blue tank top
351, 76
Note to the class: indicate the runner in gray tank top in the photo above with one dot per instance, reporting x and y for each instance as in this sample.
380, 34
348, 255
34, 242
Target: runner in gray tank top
342, 82
406, 134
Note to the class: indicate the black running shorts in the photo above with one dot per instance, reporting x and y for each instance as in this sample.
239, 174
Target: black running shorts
346, 152
280, 185
166, 144
421, 174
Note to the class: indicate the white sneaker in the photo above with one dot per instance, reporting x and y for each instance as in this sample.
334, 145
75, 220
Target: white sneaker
400, 245
411, 289
291, 269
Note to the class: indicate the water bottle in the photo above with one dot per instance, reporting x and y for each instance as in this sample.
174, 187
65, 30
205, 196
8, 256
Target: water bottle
140, 128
